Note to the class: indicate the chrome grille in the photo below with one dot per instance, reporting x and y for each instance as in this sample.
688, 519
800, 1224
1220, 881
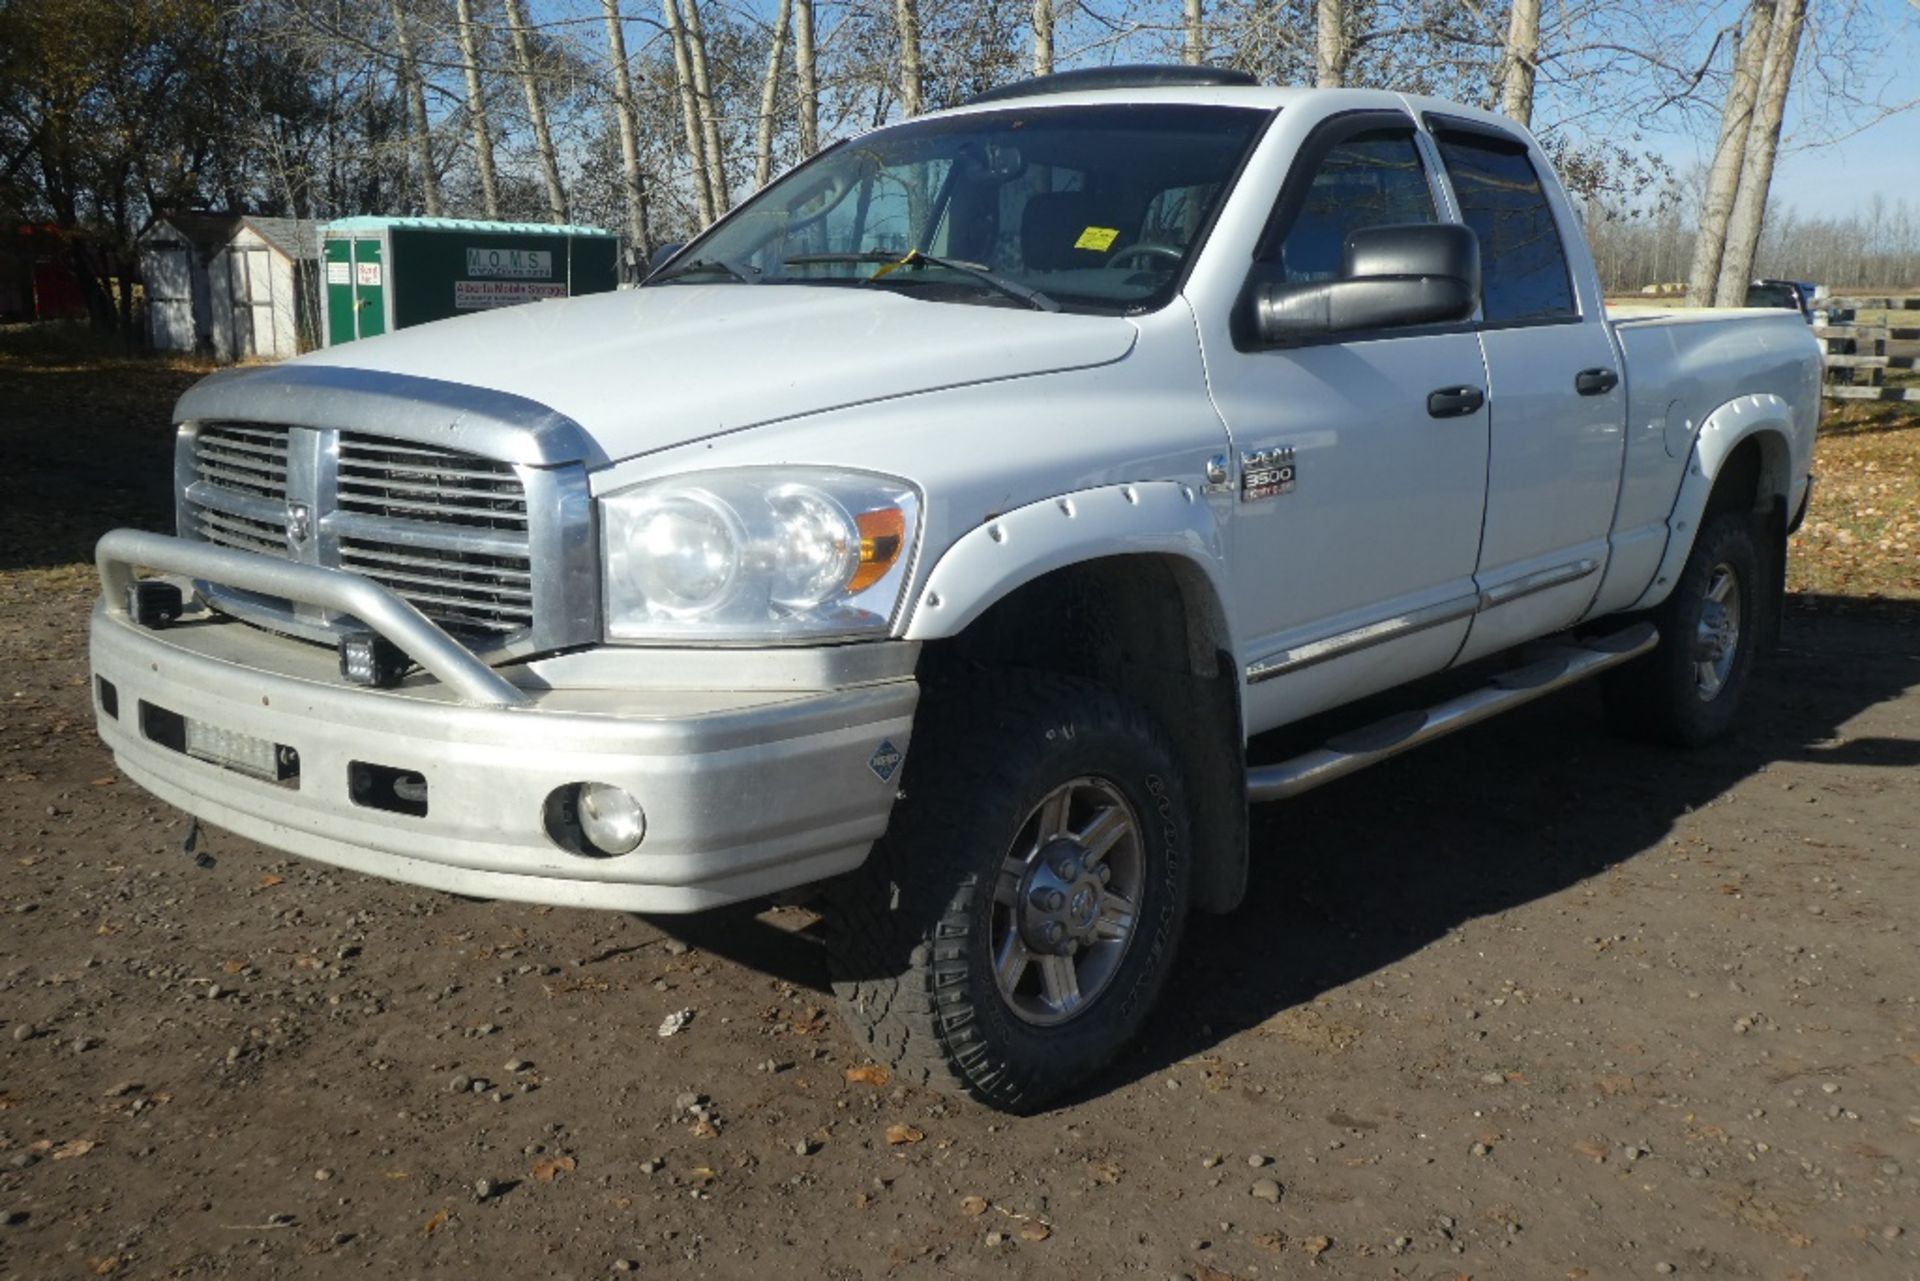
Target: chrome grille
405, 481
446, 530
246, 458
461, 590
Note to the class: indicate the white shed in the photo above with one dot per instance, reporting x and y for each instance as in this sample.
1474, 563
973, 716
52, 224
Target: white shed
232, 285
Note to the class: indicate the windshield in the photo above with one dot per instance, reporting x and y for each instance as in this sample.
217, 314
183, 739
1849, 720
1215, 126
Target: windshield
1093, 208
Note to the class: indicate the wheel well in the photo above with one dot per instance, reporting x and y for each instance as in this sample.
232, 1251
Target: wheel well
1151, 628
1755, 479
1754, 475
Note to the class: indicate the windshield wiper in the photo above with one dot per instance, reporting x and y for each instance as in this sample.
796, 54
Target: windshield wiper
739, 271
914, 258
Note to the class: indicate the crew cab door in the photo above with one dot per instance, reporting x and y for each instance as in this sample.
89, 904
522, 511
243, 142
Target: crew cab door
1554, 385
1359, 467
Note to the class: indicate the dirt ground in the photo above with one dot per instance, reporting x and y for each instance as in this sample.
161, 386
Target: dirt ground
1534, 1004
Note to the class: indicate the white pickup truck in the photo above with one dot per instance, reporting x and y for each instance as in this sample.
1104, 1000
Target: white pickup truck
940, 526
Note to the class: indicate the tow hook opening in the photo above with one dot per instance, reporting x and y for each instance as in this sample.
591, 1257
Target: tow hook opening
387, 787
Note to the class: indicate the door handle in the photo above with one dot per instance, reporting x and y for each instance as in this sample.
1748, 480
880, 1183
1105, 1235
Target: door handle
1595, 382
1455, 402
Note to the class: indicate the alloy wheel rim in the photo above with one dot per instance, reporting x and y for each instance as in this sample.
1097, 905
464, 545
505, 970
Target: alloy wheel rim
1066, 901
1717, 637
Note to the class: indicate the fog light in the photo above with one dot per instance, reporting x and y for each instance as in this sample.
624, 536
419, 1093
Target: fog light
154, 603
610, 818
366, 659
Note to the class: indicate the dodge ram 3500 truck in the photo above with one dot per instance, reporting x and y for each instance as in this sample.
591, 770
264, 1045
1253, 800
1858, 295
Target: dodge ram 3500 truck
939, 526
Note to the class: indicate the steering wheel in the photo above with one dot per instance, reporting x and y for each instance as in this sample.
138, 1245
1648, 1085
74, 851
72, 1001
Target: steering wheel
1145, 248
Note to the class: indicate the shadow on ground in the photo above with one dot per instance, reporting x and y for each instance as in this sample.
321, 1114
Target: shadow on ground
1351, 879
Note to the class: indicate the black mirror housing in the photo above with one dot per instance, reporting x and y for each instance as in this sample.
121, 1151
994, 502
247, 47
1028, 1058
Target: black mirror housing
1418, 274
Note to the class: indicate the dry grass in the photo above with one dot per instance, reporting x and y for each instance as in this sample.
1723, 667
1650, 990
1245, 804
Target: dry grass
1862, 535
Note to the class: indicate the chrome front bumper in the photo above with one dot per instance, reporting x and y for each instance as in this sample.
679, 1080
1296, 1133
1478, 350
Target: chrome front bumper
746, 792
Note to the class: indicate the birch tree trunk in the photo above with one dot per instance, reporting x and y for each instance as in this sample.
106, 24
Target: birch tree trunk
1194, 51
906, 17
477, 107
1518, 61
709, 115
1042, 37
416, 96
1723, 180
536, 110
639, 229
1330, 44
806, 71
689, 110
1763, 144
770, 95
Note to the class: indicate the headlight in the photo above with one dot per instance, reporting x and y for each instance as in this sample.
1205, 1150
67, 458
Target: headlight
757, 555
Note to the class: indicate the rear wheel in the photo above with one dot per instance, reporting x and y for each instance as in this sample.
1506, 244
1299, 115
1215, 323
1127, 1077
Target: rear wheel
1688, 691
1013, 929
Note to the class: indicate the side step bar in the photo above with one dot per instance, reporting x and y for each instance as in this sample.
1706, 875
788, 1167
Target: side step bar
1558, 667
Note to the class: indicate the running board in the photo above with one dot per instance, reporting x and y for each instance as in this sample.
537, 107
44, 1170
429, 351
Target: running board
1557, 667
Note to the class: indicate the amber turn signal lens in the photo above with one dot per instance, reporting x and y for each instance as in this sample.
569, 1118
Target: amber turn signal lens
882, 534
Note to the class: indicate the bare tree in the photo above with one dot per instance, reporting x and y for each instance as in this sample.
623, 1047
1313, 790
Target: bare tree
419, 131
770, 96
906, 17
1518, 60
477, 107
1042, 37
1194, 44
709, 114
639, 230
690, 112
806, 71
536, 110
1723, 180
1763, 143
1330, 43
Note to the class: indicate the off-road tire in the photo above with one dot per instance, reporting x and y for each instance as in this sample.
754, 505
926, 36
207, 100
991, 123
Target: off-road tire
1658, 698
908, 934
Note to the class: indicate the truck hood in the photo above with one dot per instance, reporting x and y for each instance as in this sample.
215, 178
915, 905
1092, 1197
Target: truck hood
645, 369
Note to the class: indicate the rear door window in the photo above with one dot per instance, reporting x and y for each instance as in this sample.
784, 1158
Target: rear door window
1523, 264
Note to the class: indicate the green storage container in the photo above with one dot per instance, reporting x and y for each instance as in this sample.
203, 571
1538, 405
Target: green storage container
389, 273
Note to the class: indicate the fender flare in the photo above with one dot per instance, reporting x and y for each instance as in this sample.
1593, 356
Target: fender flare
1724, 430
1012, 549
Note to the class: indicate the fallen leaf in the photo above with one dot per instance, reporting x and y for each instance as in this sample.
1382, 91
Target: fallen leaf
105, 781
105, 1267
398, 1174
550, 1169
1316, 1246
79, 1147
1275, 1241
270, 880
898, 1134
703, 1129
1034, 1230
233, 967
973, 1206
437, 1222
872, 1074
1592, 1150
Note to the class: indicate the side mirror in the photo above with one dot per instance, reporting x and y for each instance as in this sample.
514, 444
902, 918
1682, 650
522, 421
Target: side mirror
1418, 274
663, 252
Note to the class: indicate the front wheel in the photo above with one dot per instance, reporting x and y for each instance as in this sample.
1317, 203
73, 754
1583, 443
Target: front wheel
1688, 691
1011, 932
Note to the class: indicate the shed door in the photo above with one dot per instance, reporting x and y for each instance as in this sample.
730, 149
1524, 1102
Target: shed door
369, 288
339, 292
169, 297
253, 319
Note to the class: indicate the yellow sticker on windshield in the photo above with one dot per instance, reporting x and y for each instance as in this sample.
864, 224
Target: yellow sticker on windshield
1098, 239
